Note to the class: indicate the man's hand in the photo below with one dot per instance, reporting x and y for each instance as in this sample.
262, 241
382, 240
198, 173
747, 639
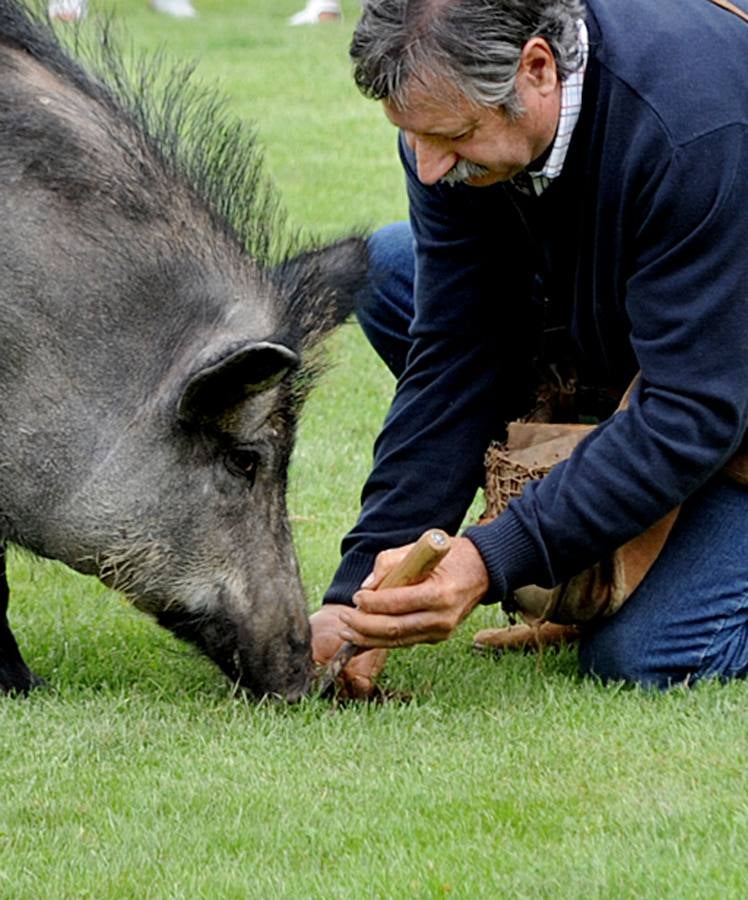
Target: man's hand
359, 675
422, 613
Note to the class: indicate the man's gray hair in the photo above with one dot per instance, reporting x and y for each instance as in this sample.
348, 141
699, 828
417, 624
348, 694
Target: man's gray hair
474, 45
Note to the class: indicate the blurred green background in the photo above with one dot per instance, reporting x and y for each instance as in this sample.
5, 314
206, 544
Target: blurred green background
138, 774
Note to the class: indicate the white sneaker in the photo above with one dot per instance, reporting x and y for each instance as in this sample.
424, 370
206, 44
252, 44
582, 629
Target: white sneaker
180, 9
317, 11
67, 10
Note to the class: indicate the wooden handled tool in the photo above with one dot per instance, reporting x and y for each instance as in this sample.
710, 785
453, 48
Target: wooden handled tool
431, 547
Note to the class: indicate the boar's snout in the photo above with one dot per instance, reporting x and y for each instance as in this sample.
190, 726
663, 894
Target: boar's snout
266, 655
274, 664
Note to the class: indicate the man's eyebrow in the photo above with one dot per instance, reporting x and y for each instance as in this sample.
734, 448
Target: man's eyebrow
450, 132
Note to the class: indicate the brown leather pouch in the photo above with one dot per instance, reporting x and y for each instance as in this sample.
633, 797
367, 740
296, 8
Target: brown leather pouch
530, 451
737, 468
600, 590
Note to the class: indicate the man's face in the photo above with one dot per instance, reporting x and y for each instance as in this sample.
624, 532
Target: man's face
444, 129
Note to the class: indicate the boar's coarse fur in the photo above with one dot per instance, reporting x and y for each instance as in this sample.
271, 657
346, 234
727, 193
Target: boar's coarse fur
156, 326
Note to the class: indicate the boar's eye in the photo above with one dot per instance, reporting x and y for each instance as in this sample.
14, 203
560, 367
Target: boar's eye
242, 462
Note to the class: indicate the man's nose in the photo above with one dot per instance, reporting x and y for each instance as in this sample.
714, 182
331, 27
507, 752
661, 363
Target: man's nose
433, 159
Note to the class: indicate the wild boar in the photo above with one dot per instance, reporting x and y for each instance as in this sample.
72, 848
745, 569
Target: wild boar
157, 333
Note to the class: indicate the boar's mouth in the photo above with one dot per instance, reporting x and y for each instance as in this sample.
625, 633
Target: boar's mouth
284, 671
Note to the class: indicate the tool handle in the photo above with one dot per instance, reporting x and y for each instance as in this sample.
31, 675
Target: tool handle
424, 556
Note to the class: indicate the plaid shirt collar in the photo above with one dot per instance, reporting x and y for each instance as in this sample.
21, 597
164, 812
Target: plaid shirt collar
571, 105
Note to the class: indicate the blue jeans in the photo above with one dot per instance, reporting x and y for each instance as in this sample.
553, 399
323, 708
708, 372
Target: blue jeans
689, 617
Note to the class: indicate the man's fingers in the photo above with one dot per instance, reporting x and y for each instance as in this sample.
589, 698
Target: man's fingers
367, 630
396, 601
384, 563
422, 613
360, 674
409, 639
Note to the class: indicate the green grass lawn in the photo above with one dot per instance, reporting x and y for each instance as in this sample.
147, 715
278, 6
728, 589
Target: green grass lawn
137, 774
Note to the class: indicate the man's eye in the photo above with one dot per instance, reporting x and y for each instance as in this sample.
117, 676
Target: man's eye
243, 462
462, 136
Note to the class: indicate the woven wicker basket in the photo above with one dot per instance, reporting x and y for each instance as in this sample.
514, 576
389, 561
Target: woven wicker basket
506, 478
531, 450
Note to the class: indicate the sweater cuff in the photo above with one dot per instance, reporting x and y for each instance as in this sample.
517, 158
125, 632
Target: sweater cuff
509, 554
352, 570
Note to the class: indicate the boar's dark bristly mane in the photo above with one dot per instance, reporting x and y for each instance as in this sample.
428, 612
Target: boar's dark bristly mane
130, 131
156, 112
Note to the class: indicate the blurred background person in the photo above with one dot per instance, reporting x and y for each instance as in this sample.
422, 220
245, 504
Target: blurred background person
317, 11
74, 10
180, 9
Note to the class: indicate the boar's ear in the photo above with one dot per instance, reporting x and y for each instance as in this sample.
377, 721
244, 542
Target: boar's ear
322, 285
225, 382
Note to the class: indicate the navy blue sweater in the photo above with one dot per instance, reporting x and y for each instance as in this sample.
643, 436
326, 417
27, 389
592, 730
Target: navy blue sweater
644, 237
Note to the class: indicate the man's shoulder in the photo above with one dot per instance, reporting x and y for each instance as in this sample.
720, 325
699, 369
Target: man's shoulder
682, 59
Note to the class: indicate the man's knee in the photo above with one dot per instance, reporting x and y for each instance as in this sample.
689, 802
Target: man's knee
689, 618
611, 658
663, 657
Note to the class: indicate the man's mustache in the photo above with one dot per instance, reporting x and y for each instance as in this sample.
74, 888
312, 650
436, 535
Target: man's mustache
462, 170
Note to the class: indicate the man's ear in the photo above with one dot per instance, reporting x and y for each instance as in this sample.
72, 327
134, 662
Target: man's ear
537, 66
